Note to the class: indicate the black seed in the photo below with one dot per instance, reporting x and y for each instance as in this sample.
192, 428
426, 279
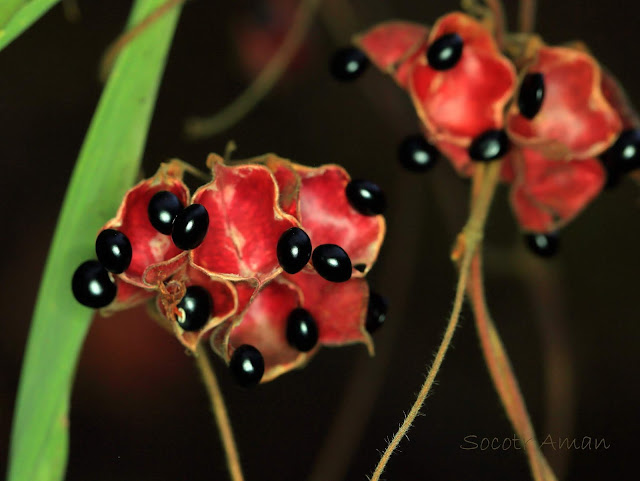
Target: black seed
348, 64
195, 308
531, 95
360, 267
445, 52
543, 245
190, 227
416, 154
332, 262
163, 208
366, 197
302, 330
376, 312
622, 157
247, 365
92, 286
294, 250
113, 250
489, 145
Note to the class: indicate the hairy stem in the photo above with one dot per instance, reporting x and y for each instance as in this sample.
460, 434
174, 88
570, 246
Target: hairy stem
220, 412
468, 240
502, 374
527, 16
199, 127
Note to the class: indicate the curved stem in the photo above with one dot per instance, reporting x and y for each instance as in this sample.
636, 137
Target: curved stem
199, 127
527, 16
499, 22
220, 412
502, 374
468, 240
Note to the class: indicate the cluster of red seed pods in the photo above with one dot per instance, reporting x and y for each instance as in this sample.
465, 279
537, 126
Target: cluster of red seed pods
267, 260
559, 122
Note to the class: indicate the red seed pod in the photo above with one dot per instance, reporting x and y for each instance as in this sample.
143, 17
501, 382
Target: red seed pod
575, 120
150, 248
547, 194
338, 312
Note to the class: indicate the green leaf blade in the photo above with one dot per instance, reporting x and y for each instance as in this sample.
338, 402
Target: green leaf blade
107, 166
18, 15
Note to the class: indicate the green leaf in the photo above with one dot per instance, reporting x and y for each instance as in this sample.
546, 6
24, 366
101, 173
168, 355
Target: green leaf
107, 166
18, 15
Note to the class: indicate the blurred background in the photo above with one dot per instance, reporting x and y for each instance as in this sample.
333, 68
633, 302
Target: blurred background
139, 411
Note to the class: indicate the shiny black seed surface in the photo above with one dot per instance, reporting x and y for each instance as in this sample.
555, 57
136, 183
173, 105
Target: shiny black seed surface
445, 52
531, 95
302, 330
376, 312
294, 250
163, 208
347, 64
489, 145
247, 365
195, 308
190, 227
543, 245
416, 154
113, 250
92, 286
366, 197
622, 157
332, 262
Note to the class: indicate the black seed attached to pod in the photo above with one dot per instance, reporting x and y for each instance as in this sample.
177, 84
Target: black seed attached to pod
531, 95
543, 245
294, 250
190, 227
445, 52
622, 157
163, 208
347, 64
332, 262
92, 286
489, 145
113, 250
247, 365
416, 154
366, 197
302, 330
376, 312
195, 308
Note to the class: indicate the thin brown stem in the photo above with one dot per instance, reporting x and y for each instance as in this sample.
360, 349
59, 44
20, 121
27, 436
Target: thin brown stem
116, 47
499, 22
199, 127
527, 16
220, 412
502, 374
468, 241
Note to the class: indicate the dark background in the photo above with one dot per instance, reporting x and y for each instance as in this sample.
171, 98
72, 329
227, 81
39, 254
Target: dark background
138, 408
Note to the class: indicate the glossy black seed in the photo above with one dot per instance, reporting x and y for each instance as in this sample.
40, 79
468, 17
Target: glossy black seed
247, 365
622, 157
489, 145
531, 95
376, 312
113, 250
92, 286
294, 250
543, 245
302, 330
163, 208
195, 308
366, 197
332, 262
348, 64
445, 52
190, 227
360, 267
416, 154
